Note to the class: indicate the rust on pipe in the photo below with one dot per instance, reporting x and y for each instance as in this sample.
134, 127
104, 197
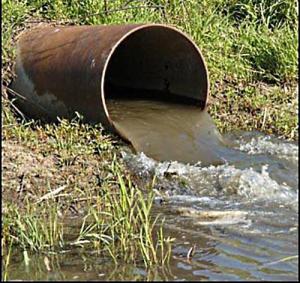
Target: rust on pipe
61, 70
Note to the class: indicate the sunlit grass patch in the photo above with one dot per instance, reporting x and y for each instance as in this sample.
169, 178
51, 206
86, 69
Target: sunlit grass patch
117, 223
272, 13
121, 223
260, 107
55, 171
37, 229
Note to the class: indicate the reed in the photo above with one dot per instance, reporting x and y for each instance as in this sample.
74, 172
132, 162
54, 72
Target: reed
117, 223
72, 168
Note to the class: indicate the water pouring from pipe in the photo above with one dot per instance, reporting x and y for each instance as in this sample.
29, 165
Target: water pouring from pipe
148, 83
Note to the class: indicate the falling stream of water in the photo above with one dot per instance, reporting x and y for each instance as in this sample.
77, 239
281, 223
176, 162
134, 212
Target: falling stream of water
233, 199
168, 131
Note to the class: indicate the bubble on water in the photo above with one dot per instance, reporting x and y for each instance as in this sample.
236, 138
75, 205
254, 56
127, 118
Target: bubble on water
254, 185
140, 163
264, 144
175, 179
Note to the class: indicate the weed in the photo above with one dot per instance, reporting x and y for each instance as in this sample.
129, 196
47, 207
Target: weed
251, 51
118, 224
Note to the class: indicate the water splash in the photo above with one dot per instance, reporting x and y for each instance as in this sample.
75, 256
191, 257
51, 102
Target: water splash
250, 181
269, 145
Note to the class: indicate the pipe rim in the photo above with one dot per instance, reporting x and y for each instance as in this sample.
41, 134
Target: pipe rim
140, 27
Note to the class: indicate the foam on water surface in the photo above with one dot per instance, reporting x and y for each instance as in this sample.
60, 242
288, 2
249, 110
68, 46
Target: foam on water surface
247, 204
268, 145
220, 180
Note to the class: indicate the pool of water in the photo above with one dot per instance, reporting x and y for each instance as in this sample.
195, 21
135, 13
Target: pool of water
231, 202
239, 219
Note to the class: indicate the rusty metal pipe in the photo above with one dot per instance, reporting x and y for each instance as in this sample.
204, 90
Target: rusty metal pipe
61, 70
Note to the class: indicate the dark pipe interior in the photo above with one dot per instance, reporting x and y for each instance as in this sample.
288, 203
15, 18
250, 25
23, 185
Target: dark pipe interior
157, 63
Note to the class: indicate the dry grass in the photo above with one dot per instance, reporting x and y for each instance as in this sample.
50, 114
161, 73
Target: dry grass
54, 171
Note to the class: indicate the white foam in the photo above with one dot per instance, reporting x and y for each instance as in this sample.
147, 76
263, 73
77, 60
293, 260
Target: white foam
215, 181
254, 185
264, 144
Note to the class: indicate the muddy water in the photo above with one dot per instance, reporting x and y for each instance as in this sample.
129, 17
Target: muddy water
236, 202
168, 131
240, 216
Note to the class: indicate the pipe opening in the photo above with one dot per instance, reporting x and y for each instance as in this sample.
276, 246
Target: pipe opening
155, 86
157, 63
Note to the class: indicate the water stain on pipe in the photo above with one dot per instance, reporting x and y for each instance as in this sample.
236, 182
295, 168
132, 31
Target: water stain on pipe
146, 82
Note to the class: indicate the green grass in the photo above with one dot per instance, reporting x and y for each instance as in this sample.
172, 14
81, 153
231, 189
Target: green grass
117, 223
244, 43
73, 169
270, 109
251, 51
272, 13
252, 40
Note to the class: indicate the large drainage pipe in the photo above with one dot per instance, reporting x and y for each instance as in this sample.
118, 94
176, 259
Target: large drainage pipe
61, 70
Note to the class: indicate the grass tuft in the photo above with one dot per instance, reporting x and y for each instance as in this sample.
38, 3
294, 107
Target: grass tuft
71, 170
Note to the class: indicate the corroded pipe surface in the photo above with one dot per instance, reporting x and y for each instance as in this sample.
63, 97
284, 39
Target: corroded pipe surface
61, 70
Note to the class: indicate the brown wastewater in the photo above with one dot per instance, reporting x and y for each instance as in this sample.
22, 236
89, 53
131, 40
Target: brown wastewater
232, 198
168, 131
